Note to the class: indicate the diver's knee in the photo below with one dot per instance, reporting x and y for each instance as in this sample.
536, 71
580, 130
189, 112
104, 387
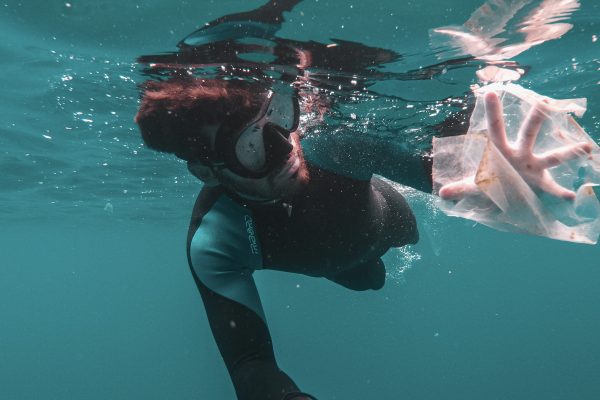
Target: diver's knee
366, 276
377, 276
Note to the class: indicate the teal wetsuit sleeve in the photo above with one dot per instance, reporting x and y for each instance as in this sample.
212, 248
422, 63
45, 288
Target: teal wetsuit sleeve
224, 253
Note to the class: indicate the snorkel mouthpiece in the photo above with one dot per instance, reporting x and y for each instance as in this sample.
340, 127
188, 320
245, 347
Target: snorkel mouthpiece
277, 142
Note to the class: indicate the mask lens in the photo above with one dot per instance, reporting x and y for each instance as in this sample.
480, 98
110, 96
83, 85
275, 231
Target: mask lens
250, 148
283, 111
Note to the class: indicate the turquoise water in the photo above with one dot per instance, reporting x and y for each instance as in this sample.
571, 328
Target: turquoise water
96, 299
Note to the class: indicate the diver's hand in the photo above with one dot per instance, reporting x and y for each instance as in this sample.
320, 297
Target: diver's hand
532, 167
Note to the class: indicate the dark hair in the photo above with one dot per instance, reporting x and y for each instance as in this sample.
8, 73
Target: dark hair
172, 112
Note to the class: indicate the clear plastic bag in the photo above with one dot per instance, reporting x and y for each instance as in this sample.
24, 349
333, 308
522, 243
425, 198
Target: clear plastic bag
504, 199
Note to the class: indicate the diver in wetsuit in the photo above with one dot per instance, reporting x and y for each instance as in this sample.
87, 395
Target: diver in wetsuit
263, 206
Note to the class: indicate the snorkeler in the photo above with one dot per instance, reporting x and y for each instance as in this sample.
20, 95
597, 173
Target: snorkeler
264, 206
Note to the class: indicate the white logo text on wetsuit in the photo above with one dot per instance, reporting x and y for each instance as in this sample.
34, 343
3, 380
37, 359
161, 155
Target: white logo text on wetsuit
251, 234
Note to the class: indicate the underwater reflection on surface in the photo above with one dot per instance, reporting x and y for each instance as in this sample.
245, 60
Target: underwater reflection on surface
80, 150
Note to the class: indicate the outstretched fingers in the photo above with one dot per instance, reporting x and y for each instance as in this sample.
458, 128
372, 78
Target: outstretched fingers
549, 185
530, 129
495, 121
566, 153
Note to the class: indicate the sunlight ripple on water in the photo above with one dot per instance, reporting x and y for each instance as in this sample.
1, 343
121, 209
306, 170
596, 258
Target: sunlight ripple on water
70, 143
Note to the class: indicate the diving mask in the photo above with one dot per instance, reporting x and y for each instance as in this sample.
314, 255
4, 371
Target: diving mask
261, 145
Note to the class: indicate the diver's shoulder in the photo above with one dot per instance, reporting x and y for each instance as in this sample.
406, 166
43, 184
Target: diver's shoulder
319, 173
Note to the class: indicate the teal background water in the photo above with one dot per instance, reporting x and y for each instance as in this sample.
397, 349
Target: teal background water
96, 300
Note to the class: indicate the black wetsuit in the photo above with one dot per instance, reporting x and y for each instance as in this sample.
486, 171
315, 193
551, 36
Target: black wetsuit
337, 228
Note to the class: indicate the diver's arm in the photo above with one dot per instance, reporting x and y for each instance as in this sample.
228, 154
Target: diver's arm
245, 345
243, 338
222, 260
415, 170
361, 156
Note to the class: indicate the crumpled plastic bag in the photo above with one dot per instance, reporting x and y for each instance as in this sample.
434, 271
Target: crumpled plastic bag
504, 200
